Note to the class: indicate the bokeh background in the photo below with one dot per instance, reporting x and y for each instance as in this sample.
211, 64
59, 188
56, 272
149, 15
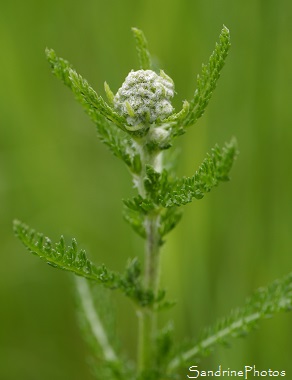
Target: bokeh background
56, 176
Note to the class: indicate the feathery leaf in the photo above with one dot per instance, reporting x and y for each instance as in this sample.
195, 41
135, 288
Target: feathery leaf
103, 116
88, 97
170, 217
264, 303
136, 221
215, 168
207, 80
60, 256
84, 93
72, 259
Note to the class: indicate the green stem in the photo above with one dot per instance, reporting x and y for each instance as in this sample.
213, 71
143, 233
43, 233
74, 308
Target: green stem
151, 278
147, 316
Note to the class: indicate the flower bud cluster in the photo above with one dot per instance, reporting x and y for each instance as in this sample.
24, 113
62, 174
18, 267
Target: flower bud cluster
145, 97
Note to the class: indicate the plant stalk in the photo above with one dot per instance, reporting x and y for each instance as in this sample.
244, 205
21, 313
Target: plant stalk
147, 316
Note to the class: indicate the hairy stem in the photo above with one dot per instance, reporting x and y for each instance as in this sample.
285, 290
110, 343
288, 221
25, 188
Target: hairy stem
147, 316
151, 278
93, 319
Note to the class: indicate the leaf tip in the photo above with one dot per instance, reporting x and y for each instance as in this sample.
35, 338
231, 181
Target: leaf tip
50, 54
16, 225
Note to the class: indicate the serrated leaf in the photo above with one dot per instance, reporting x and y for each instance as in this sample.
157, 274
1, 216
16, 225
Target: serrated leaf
72, 259
103, 116
207, 80
214, 169
169, 219
68, 258
140, 204
264, 303
85, 93
152, 182
136, 221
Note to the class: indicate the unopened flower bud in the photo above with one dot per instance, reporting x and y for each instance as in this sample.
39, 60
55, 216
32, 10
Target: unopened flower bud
145, 97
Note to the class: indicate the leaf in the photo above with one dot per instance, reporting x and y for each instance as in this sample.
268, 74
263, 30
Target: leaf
120, 145
72, 259
88, 97
83, 91
152, 182
60, 256
133, 287
140, 204
142, 49
264, 303
60, 67
164, 345
169, 219
163, 192
207, 80
136, 221
117, 140
214, 169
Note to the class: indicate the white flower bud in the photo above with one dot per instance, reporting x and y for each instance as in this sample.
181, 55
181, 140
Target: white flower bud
144, 97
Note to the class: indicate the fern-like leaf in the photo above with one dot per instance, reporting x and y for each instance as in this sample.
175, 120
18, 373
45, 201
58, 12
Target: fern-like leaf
88, 97
68, 258
165, 195
84, 93
264, 303
103, 116
169, 219
207, 80
140, 204
214, 169
72, 259
136, 221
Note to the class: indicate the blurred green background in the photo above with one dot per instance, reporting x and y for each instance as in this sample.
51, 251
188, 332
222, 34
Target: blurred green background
56, 176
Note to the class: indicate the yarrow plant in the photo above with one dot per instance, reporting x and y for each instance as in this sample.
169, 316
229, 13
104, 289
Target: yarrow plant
138, 124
